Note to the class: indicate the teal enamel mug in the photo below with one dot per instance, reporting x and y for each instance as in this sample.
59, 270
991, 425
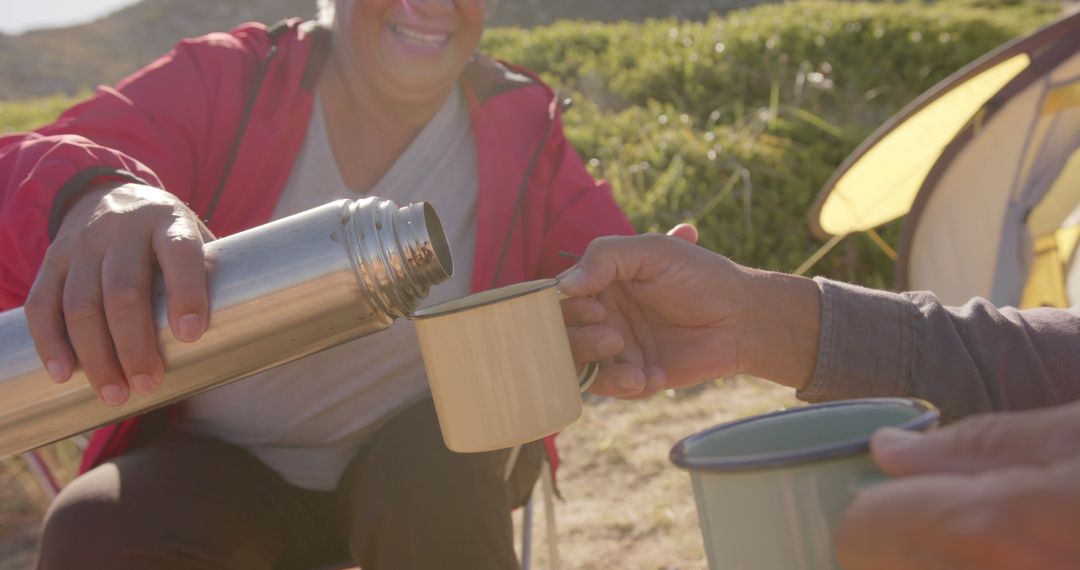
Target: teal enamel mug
770, 488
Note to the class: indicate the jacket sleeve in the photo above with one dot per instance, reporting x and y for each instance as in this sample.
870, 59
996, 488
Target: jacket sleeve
580, 208
153, 128
969, 359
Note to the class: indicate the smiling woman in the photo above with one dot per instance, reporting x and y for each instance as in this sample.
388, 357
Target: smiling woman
393, 64
339, 454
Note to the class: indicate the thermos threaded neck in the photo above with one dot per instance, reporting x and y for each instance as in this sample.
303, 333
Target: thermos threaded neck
399, 253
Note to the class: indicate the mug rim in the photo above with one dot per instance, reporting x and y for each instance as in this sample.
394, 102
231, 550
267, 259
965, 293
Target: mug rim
453, 305
927, 418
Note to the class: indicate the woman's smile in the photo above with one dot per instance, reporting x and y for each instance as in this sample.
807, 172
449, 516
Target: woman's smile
419, 40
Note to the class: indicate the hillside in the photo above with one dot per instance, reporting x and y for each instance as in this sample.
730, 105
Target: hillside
66, 60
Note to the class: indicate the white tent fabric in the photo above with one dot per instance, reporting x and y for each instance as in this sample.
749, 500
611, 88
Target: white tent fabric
992, 195
954, 252
972, 237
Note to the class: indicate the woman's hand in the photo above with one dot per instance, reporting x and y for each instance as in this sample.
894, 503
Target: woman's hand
997, 491
91, 297
665, 313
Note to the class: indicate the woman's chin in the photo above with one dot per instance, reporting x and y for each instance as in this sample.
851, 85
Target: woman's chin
413, 77
419, 54
418, 88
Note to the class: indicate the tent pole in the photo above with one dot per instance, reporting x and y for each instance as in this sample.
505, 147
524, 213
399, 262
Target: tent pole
816, 257
881, 243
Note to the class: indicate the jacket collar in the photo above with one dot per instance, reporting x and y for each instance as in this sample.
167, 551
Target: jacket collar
487, 77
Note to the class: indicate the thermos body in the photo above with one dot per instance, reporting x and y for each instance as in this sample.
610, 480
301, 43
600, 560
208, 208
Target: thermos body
277, 292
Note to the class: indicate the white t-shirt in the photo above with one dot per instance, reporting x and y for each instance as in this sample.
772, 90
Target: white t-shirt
308, 418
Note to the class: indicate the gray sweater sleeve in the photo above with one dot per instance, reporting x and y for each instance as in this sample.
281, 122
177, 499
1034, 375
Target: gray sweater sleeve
968, 359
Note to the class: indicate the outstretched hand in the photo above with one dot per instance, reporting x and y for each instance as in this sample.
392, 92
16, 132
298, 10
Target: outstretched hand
663, 313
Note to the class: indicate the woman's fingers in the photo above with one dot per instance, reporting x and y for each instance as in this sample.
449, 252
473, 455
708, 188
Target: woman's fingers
45, 318
88, 331
179, 251
91, 301
125, 279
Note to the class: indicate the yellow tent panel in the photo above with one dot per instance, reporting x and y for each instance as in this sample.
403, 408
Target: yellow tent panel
1046, 281
1061, 98
882, 184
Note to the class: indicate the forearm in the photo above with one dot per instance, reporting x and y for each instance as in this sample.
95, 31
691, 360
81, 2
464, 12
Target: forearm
965, 360
782, 333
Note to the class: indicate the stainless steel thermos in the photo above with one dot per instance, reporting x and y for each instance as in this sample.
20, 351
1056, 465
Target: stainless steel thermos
277, 292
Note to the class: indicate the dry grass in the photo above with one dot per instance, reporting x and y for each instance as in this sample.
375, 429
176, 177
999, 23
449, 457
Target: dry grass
23, 502
21, 506
625, 507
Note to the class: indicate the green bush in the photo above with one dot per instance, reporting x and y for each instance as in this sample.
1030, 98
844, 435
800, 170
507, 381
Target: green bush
27, 115
746, 186
737, 122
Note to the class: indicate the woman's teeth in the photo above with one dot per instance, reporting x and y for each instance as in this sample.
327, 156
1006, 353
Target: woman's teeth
428, 39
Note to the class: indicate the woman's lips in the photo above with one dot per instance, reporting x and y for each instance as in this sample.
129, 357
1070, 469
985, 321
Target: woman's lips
425, 40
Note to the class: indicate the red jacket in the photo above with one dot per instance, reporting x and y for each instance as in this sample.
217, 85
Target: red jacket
218, 122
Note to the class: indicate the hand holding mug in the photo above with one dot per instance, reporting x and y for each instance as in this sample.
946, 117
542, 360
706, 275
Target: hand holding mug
677, 315
990, 492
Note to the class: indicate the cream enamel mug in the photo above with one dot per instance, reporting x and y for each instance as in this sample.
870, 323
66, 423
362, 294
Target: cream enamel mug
771, 488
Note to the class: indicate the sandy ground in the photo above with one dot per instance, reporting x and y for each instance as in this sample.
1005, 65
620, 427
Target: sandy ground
624, 505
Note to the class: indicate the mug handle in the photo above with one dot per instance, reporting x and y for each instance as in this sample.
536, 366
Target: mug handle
868, 480
588, 376
592, 369
871, 478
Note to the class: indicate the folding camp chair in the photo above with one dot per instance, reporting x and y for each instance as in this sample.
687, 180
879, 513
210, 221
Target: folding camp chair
42, 473
547, 489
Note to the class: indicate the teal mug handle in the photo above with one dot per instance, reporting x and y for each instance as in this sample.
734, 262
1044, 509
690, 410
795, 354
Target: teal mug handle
868, 480
876, 476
